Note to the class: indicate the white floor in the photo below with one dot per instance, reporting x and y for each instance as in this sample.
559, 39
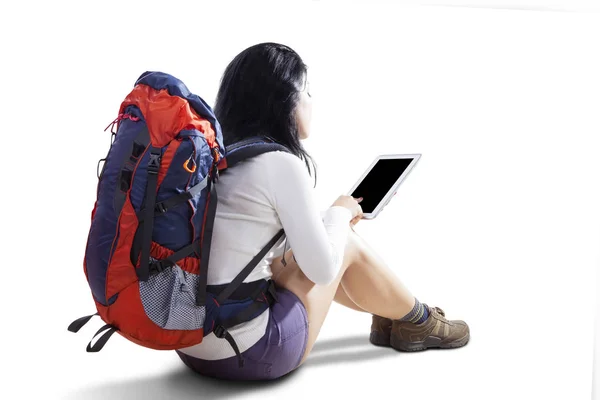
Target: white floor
531, 318
505, 359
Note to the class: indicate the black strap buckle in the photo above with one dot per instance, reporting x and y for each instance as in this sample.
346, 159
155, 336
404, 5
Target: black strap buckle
161, 208
272, 290
159, 266
215, 172
220, 332
154, 163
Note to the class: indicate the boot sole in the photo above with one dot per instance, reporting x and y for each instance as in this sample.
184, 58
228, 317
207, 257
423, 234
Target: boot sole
380, 339
432, 342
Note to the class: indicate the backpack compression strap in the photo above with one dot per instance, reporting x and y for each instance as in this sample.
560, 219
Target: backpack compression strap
162, 207
143, 272
207, 233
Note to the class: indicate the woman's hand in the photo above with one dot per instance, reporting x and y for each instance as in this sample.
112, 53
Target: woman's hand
353, 205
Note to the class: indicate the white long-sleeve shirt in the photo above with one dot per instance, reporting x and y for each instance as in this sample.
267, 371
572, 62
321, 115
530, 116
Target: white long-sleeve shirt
257, 198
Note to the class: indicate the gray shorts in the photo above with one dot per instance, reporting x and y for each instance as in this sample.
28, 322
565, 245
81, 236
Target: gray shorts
276, 354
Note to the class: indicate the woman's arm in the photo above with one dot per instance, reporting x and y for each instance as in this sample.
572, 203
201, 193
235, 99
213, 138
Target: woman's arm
317, 240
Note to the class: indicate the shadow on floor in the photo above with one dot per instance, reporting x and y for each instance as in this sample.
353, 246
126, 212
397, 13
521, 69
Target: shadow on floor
183, 384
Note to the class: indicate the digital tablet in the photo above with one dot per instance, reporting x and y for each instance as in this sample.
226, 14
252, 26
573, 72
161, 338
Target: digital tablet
380, 181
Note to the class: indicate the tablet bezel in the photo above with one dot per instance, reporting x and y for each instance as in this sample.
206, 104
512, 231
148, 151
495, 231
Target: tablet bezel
388, 196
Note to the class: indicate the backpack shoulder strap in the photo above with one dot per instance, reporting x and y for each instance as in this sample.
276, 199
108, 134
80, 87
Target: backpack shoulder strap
235, 154
239, 279
248, 148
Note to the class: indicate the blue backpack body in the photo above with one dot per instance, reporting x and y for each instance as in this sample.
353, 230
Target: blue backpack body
148, 247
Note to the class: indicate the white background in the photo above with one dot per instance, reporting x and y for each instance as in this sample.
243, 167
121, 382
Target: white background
499, 223
544, 5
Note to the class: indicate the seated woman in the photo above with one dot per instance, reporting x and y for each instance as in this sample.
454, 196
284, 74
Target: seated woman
264, 91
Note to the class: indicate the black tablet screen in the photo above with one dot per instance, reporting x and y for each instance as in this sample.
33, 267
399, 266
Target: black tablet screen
379, 181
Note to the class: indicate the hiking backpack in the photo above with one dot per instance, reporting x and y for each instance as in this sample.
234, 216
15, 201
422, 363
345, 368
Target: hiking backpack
148, 246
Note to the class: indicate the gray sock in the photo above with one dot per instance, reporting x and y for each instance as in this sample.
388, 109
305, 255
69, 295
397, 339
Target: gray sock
417, 315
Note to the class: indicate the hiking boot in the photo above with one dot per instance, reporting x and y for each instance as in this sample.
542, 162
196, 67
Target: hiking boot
435, 332
381, 328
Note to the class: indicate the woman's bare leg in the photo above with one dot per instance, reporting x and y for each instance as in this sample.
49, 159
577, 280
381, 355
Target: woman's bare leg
365, 278
341, 297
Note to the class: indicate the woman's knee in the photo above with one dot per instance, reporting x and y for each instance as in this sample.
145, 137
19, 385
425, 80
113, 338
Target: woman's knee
354, 253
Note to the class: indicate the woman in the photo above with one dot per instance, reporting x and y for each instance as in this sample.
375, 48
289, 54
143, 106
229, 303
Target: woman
264, 91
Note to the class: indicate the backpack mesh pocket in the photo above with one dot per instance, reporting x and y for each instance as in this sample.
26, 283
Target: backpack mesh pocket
169, 299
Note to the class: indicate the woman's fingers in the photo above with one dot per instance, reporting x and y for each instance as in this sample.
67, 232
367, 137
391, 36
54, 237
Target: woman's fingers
355, 220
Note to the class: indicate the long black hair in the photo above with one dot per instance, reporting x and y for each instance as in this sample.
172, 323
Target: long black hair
258, 96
